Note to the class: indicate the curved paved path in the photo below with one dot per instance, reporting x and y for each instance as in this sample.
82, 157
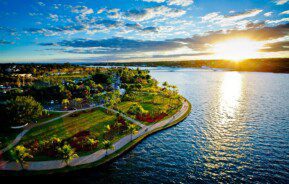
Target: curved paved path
96, 156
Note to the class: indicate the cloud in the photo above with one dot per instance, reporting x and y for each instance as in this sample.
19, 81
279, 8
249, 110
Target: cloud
277, 21
285, 12
82, 12
91, 27
202, 42
180, 2
120, 44
276, 47
281, 2
82, 9
150, 13
40, 3
227, 20
195, 45
54, 17
268, 14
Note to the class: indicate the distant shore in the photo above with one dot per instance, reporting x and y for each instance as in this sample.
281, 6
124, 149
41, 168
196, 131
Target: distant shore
250, 65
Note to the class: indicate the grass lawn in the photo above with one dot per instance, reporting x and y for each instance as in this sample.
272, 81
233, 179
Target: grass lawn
151, 102
93, 120
68, 126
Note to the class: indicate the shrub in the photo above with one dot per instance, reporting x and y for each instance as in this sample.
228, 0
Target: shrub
136, 109
149, 118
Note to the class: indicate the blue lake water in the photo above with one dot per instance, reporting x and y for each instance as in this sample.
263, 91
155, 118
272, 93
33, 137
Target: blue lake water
238, 131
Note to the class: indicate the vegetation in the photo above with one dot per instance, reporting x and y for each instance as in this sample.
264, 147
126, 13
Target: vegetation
66, 153
107, 145
19, 154
22, 110
129, 91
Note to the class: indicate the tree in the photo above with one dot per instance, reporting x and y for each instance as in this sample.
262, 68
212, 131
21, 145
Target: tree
107, 145
19, 154
66, 153
24, 109
132, 129
65, 103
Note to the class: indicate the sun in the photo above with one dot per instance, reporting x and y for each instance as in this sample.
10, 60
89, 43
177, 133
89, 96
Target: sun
236, 49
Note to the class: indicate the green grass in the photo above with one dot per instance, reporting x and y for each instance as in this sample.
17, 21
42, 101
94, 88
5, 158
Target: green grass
93, 120
151, 102
68, 126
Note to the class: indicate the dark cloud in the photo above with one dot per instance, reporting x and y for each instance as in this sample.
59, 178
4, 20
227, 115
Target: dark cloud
122, 44
276, 47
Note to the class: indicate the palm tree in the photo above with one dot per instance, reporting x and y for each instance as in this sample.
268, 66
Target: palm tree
107, 145
66, 153
132, 128
19, 154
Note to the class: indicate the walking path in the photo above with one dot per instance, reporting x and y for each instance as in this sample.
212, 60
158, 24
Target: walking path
96, 156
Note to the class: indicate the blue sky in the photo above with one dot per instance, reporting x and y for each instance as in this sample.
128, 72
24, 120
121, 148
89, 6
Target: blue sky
137, 30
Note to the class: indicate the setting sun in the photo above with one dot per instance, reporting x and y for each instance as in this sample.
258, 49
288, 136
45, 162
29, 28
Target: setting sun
237, 49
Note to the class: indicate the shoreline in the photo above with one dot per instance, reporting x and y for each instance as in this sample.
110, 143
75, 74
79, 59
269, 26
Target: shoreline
100, 158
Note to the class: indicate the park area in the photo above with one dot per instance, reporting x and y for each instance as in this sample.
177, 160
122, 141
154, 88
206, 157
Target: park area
149, 107
84, 131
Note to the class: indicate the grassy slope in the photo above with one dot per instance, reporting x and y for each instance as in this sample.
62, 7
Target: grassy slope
68, 126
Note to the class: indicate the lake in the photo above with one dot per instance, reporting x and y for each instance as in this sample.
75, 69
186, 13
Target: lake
238, 131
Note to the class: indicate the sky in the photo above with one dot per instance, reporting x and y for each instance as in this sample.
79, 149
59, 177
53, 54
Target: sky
141, 30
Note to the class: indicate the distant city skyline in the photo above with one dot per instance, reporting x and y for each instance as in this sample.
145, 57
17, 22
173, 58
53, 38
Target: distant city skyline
142, 30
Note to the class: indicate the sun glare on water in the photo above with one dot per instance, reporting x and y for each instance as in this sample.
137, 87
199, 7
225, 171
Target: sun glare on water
236, 49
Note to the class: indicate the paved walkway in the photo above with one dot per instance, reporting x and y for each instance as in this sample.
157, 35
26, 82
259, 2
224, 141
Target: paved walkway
96, 156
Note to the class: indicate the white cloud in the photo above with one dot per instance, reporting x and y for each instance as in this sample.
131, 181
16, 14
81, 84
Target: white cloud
149, 13
82, 9
285, 12
281, 2
268, 14
277, 21
41, 3
227, 20
101, 10
180, 2
54, 17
